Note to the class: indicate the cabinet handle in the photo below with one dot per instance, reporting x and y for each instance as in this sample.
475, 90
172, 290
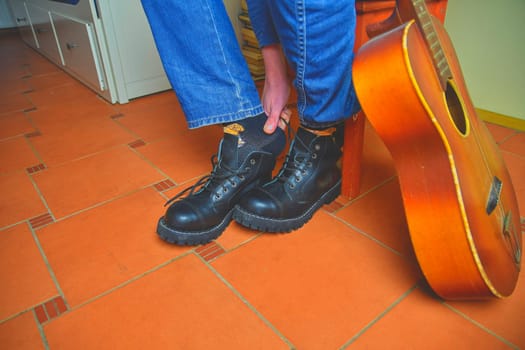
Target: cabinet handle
40, 30
71, 46
21, 19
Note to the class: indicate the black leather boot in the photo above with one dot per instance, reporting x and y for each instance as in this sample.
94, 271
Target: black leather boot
207, 209
309, 178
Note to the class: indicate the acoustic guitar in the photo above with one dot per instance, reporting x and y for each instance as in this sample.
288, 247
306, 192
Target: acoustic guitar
459, 200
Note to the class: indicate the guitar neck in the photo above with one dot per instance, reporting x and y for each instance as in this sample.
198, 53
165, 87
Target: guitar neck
426, 25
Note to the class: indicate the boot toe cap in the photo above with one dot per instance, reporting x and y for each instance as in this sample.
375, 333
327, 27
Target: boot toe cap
183, 217
260, 203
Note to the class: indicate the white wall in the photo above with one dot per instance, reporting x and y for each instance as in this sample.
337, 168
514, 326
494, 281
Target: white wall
489, 37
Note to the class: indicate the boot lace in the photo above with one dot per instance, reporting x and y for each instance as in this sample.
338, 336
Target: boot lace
212, 181
294, 167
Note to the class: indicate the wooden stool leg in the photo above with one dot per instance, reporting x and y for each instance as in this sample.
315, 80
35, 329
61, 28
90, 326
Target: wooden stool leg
353, 155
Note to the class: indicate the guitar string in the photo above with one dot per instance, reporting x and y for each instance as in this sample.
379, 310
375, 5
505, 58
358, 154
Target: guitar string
424, 16
511, 238
422, 11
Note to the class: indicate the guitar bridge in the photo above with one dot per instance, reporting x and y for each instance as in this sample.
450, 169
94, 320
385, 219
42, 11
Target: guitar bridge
494, 195
512, 239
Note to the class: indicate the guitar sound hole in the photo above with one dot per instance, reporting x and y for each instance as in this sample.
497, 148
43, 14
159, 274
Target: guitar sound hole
455, 108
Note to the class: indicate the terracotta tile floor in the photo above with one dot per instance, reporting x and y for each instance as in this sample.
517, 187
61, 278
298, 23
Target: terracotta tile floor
83, 182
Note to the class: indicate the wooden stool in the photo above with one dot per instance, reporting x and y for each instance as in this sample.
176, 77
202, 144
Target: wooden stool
369, 12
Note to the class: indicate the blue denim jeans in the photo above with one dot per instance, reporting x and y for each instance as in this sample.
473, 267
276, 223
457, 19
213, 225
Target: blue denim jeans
203, 61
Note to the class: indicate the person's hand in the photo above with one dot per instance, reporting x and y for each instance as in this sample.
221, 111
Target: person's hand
276, 89
275, 98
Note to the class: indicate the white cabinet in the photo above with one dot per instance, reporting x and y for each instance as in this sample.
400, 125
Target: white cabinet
23, 22
79, 50
135, 62
106, 44
45, 32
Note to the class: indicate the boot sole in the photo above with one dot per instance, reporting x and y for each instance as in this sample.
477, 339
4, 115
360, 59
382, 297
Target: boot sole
173, 236
276, 225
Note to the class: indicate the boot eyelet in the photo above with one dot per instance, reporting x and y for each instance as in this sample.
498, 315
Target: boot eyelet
225, 190
317, 147
234, 184
241, 177
314, 155
292, 186
253, 161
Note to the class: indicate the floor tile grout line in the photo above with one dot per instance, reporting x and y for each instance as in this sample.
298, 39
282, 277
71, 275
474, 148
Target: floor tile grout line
163, 195
41, 196
9, 226
256, 235
40, 328
34, 150
82, 157
48, 266
26, 310
35, 126
507, 138
129, 281
367, 235
28, 220
186, 183
107, 149
102, 203
379, 317
213, 245
7, 113
364, 194
44, 89
125, 128
247, 303
480, 325
83, 210
150, 163
32, 309
521, 156
13, 137
92, 154
28, 98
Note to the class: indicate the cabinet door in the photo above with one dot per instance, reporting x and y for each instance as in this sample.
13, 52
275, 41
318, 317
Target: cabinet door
130, 42
43, 27
80, 51
23, 22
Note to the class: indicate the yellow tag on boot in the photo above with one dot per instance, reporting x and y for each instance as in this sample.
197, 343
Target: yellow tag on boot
323, 132
233, 129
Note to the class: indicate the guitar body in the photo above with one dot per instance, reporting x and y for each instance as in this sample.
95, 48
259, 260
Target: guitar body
459, 200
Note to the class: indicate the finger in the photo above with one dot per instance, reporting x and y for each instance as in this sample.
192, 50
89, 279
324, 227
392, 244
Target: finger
284, 119
271, 122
